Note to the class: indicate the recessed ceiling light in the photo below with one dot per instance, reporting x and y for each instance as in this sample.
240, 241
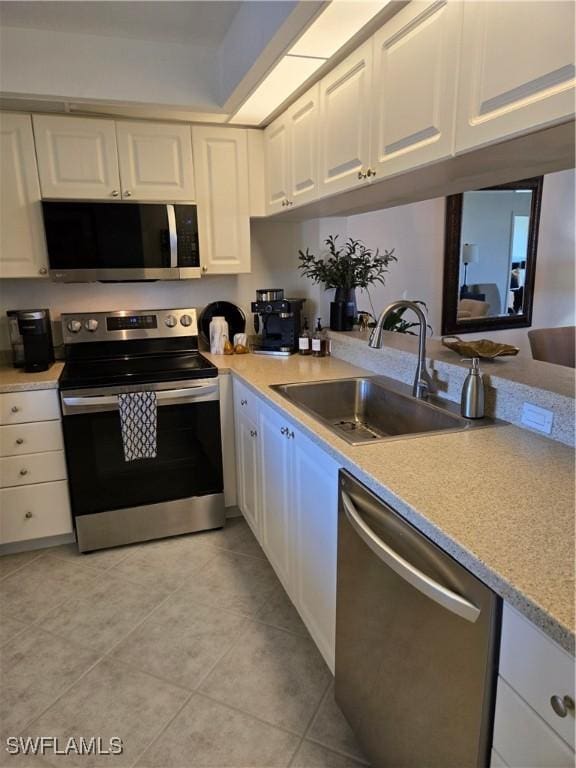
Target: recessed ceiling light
337, 24
280, 83
341, 20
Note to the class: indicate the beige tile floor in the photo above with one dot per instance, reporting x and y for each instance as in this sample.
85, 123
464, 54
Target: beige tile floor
187, 649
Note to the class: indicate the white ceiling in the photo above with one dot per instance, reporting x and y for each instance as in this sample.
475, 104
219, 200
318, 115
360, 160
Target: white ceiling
196, 22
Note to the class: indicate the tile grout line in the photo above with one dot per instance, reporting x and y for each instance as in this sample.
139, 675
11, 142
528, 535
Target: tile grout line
312, 719
20, 567
250, 715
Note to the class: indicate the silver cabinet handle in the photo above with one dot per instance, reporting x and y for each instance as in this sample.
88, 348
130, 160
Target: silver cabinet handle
126, 193
362, 174
370, 172
23, 472
284, 431
289, 434
243, 402
19, 441
562, 705
441, 595
42, 271
14, 409
253, 433
28, 515
114, 193
204, 268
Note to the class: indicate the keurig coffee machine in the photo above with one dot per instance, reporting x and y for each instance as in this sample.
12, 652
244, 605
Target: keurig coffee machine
31, 338
277, 321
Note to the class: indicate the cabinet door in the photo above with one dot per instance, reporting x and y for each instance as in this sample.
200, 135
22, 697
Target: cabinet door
517, 69
303, 120
315, 501
22, 243
345, 95
277, 165
277, 518
77, 157
414, 91
223, 195
155, 161
248, 472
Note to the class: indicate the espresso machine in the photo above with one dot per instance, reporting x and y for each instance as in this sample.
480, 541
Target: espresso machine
277, 321
31, 339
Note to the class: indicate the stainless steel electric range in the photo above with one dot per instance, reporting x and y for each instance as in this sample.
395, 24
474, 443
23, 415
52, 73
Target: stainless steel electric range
180, 490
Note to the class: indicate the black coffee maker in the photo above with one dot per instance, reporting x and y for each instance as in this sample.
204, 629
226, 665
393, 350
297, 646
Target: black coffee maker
278, 321
31, 339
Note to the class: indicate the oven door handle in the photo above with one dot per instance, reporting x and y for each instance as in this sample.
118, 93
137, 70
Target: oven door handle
86, 403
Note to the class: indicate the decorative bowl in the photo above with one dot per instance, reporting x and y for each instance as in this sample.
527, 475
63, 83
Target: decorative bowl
484, 348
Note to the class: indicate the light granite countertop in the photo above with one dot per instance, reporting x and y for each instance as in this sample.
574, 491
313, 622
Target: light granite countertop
500, 500
16, 380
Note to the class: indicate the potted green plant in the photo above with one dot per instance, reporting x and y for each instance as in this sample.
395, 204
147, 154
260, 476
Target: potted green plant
346, 268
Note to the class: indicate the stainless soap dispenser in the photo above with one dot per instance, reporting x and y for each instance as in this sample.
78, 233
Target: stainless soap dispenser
472, 403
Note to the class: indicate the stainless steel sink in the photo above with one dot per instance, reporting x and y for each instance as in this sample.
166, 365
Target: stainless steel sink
370, 409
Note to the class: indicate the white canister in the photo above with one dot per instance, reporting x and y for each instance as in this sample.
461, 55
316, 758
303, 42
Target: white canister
218, 334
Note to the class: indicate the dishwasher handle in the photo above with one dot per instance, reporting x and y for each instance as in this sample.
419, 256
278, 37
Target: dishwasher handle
441, 595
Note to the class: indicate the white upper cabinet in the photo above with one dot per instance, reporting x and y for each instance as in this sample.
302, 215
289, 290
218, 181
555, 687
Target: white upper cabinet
517, 69
277, 164
77, 157
303, 124
414, 88
345, 97
22, 243
223, 196
155, 161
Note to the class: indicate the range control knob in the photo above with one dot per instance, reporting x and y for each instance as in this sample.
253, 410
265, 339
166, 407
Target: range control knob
186, 320
74, 326
91, 324
170, 321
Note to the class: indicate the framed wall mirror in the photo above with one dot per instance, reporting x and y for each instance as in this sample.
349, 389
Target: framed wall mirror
490, 257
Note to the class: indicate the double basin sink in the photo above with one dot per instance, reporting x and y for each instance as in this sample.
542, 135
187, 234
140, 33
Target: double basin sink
374, 408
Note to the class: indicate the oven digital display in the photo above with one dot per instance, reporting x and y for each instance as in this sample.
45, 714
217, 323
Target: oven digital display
131, 322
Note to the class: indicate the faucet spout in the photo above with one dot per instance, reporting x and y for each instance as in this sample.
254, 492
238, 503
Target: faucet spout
423, 383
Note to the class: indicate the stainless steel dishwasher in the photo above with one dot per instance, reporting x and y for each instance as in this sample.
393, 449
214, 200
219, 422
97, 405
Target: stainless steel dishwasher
416, 641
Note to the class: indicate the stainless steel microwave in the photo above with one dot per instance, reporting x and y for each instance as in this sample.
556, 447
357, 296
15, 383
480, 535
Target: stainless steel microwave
108, 242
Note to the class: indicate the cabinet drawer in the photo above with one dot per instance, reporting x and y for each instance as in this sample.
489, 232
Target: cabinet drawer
34, 511
245, 401
522, 738
33, 468
21, 439
19, 407
537, 669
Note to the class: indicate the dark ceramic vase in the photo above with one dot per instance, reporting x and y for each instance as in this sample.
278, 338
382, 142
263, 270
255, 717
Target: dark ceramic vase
347, 296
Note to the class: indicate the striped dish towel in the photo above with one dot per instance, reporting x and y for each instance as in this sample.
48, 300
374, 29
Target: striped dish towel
138, 417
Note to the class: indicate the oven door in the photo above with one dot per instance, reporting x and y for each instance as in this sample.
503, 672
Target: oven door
189, 455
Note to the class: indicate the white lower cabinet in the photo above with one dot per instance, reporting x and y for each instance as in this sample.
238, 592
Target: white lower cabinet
288, 493
277, 518
34, 512
34, 500
533, 672
315, 504
247, 466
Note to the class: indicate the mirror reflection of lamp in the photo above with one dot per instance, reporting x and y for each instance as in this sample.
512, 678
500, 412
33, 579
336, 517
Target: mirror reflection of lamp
470, 255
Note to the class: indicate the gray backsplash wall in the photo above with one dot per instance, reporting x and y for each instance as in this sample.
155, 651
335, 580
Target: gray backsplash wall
274, 265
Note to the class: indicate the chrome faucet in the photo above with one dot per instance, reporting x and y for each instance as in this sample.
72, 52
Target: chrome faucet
423, 383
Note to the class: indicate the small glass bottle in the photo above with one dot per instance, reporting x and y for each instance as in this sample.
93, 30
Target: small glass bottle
319, 341
304, 345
